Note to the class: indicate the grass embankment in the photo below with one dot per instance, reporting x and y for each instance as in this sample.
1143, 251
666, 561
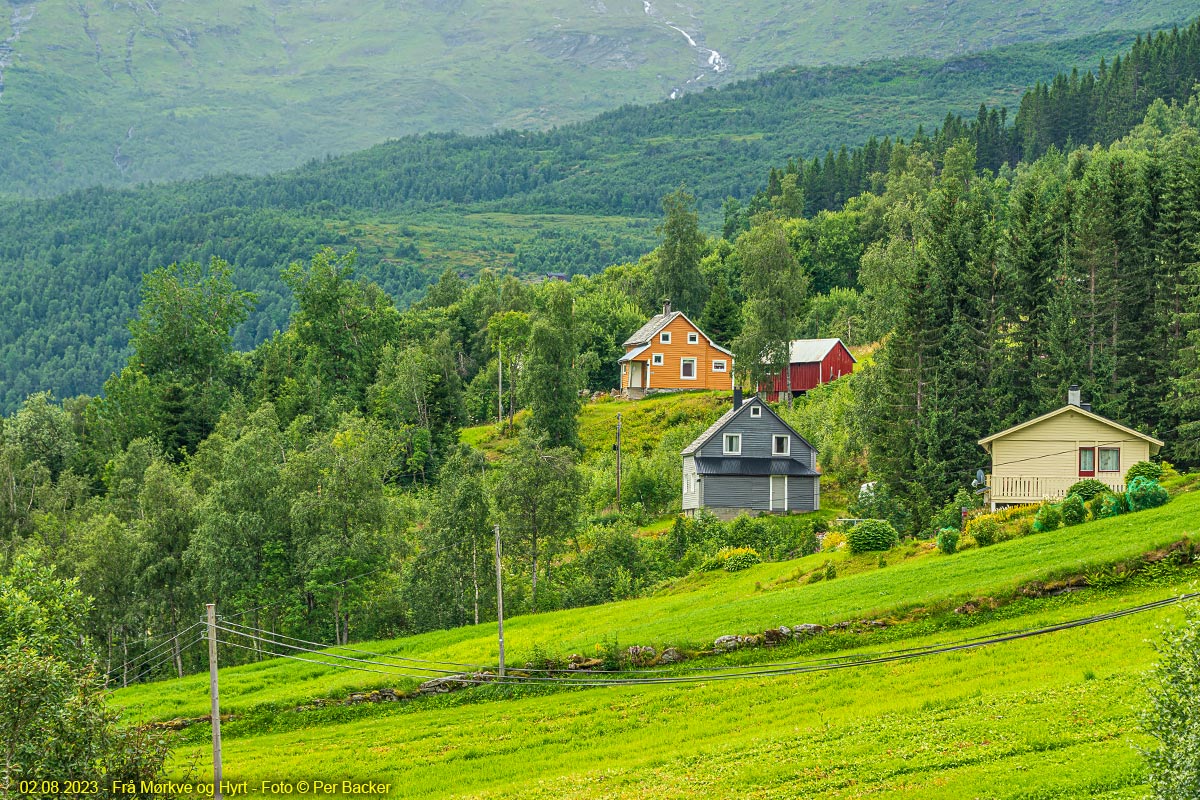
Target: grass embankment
1046, 717
697, 609
643, 422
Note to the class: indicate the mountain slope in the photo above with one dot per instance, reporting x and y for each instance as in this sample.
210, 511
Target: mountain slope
118, 93
70, 266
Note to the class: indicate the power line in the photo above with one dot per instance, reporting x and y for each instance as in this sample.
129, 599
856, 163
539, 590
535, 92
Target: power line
165, 658
354, 650
1065, 452
149, 653
787, 668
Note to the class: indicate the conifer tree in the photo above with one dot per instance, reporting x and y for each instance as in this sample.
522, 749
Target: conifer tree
677, 275
721, 318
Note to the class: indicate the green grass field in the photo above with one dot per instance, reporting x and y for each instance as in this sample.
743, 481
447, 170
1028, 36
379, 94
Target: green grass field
1051, 716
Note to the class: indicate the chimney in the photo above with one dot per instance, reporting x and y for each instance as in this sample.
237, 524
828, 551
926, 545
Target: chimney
737, 397
666, 307
1073, 395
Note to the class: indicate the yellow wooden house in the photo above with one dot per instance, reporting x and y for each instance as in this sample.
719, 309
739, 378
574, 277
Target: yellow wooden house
1040, 459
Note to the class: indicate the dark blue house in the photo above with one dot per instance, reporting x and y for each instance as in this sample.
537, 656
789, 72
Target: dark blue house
750, 461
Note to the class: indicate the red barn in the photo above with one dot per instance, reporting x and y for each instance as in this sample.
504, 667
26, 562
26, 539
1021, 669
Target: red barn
813, 362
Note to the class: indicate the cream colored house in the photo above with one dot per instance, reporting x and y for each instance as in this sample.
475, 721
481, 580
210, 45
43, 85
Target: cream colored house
1040, 459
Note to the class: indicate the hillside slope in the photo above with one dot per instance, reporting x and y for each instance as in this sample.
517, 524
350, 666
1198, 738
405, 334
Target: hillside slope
1052, 715
575, 199
118, 93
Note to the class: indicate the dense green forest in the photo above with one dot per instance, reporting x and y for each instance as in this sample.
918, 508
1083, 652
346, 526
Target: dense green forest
316, 485
573, 199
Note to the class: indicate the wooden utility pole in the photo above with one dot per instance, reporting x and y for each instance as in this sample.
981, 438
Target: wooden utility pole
500, 384
618, 462
499, 600
216, 702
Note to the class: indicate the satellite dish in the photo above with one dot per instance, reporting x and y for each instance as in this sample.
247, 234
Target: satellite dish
980, 478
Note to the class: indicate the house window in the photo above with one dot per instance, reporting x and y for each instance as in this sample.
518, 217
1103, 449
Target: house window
719, 365
1087, 462
657, 359
693, 338
687, 369
756, 411
624, 368
781, 445
1110, 459
665, 337
732, 444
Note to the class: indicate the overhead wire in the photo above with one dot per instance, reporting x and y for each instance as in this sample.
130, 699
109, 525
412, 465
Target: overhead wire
760, 671
150, 653
165, 658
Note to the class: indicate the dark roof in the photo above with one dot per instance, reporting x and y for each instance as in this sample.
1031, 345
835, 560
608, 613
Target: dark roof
737, 465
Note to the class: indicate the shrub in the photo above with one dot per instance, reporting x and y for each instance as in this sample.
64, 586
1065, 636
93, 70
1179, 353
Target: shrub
984, 530
1095, 506
741, 558
746, 531
1143, 469
1048, 518
871, 535
947, 540
833, 540
1087, 488
732, 559
1144, 493
1073, 511
1113, 505
951, 514
1173, 717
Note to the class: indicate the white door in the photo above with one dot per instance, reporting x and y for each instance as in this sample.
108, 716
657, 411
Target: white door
635, 375
779, 492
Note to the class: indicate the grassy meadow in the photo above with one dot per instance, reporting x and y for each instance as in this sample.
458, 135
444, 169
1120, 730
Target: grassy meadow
1048, 716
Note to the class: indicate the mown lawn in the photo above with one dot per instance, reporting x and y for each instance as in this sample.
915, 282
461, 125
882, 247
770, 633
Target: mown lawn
696, 610
1053, 716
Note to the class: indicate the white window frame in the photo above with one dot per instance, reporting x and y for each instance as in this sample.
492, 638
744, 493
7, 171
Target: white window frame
787, 444
693, 338
720, 368
695, 370
725, 444
756, 411
656, 359
664, 337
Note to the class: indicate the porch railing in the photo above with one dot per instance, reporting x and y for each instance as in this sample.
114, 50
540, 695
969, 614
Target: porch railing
1033, 489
